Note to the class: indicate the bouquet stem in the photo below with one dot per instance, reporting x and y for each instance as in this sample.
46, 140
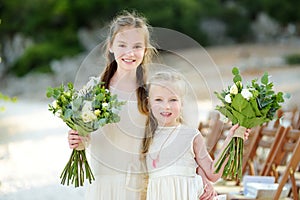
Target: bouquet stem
75, 169
234, 150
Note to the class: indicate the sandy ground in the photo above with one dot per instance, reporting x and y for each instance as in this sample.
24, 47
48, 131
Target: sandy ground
33, 144
33, 152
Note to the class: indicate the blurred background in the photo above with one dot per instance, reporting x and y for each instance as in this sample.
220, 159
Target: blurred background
43, 42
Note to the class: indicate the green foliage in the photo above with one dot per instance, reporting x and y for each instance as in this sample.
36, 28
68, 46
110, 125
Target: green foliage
293, 59
238, 23
37, 57
54, 23
250, 105
6, 98
283, 11
85, 111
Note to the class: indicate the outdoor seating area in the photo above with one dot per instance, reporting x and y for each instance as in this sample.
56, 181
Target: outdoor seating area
271, 151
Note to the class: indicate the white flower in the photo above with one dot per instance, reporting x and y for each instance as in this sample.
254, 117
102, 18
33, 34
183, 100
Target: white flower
234, 89
228, 98
87, 106
246, 94
104, 105
87, 114
54, 104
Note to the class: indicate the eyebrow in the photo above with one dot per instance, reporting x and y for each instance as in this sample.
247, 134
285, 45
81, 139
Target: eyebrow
123, 42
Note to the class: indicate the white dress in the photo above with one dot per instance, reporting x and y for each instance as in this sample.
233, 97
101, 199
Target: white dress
173, 176
115, 155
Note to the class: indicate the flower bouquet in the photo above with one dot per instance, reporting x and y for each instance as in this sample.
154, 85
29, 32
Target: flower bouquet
85, 111
249, 106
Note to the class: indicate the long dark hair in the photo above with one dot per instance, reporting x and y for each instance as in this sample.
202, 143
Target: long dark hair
127, 19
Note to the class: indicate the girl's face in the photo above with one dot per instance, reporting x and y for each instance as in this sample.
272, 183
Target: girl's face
165, 105
129, 48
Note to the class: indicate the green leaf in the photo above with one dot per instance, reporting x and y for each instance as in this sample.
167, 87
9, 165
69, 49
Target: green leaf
70, 86
77, 103
242, 119
237, 78
56, 93
265, 78
248, 111
257, 121
227, 112
49, 92
239, 102
235, 71
254, 105
68, 114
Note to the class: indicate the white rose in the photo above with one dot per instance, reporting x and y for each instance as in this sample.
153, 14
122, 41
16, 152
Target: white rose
228, 98
88, 116
246, 94
234, 89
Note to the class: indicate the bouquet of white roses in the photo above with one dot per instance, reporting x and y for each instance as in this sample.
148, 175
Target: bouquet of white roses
249, 106
85, 111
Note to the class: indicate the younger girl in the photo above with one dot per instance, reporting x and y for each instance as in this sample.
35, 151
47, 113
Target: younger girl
173, 150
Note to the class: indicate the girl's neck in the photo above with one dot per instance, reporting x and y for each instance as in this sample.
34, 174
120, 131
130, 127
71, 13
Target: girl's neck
124, 80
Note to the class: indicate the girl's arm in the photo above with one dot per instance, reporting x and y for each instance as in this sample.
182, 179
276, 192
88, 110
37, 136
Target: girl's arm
203, 158
209, 191
205, 161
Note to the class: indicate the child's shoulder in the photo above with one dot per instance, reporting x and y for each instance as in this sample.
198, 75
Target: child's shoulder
189, 130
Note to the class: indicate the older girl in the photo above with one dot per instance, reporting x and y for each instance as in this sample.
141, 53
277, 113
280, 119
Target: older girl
115, 149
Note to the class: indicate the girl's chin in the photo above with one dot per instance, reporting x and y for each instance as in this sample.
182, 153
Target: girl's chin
128, 66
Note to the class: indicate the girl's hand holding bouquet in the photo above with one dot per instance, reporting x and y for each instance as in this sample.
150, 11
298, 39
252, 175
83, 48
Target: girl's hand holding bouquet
84, 111
249, 106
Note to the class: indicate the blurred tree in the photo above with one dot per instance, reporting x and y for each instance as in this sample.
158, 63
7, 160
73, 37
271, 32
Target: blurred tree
53, 24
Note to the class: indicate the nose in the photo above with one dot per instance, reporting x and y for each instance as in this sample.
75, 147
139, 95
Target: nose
130, 52
166, 105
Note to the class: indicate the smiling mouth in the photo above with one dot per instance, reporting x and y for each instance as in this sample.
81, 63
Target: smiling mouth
166, 114
128, 60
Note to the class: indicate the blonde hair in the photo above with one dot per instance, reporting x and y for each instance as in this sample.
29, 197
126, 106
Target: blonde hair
126, 19
168, 79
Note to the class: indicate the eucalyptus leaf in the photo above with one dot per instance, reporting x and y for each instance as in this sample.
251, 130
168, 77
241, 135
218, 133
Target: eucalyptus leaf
265, 78
235, 71
237, 78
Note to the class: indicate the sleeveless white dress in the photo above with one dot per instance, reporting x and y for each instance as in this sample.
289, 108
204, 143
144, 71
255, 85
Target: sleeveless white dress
173, 176
114, 152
